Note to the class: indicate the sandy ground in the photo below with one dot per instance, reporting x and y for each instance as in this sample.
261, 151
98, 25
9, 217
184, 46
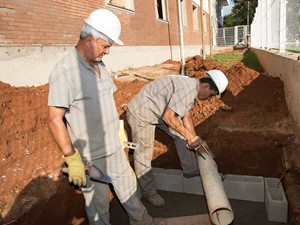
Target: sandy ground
249, 129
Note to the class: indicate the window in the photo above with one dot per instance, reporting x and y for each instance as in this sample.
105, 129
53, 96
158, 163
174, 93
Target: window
183, 12
195, 17
206, 5
124, 4
161, 9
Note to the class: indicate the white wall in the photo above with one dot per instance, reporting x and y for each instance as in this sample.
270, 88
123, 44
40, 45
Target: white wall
31, 66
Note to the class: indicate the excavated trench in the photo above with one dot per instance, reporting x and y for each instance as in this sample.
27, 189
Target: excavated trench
249, 130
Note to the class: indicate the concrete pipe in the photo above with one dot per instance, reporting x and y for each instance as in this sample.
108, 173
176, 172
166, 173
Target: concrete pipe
219, 208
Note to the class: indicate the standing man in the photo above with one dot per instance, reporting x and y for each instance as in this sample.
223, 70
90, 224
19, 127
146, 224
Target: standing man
166, 103
84, 122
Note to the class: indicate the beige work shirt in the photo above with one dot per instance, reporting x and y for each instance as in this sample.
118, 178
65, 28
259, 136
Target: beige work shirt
91, 118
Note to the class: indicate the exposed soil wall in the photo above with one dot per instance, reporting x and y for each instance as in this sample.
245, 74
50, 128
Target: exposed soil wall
285, 66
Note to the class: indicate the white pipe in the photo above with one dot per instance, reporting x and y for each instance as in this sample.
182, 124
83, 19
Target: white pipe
202, 30
181, 36
219, 208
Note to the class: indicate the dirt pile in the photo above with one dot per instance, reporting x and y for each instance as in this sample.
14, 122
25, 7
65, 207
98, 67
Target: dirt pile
249, 130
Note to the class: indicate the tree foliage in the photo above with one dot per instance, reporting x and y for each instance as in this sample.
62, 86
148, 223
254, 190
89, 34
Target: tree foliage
239, 12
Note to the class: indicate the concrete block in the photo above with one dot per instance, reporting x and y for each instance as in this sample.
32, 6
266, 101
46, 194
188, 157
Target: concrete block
275, 200
193, 185
249, 188
168, 179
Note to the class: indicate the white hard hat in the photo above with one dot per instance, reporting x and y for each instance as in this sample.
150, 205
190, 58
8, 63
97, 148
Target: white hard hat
107, 23
219, 79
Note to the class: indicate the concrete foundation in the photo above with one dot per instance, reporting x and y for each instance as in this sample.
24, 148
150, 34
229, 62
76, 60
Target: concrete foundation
168, 179
31, 66
248, 188
191, 185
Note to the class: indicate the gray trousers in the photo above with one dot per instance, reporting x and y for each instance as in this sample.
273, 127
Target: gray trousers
144, 134
114, 169
187, 157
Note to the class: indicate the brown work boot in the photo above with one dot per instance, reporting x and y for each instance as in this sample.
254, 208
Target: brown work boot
159, 221
156, 200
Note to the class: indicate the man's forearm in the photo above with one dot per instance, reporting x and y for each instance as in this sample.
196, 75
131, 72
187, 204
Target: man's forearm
59, 131
193, 140
188, 122
172, 121
62, 138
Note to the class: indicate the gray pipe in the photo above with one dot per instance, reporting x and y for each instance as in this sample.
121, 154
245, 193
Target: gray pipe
219, 208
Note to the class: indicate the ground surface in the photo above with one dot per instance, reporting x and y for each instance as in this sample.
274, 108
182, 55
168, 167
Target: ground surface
249, 129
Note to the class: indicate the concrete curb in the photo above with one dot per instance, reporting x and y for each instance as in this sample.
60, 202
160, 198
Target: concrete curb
249, 188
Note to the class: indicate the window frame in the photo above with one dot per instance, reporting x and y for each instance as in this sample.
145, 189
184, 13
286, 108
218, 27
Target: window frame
204, 17
184, 21
195, 9
164, 11
128, 4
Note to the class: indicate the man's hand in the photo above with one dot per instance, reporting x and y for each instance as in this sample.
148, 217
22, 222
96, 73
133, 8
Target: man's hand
76, 169
122, 134
194, 142
201, 146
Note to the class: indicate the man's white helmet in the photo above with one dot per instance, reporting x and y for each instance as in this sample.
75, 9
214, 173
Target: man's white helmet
219, 79
107, 23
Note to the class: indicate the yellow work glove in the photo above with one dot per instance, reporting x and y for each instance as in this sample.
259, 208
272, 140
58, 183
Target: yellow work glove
122, 134
76, 169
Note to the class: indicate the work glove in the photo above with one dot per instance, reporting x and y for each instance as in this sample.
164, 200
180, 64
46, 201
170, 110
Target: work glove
122, 134
76, 169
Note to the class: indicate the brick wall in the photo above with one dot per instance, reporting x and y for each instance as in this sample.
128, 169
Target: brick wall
46, 22
58, 22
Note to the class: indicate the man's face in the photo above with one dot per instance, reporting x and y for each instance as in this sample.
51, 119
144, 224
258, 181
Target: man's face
99, 49
205, 92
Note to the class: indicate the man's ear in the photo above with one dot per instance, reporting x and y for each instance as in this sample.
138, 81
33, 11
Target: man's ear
89, 38
205, 86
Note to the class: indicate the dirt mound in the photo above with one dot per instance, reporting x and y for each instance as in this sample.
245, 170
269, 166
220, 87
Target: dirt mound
249, 129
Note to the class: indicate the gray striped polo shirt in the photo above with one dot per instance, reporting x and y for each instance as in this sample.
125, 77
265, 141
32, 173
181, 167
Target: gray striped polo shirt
92, 118
177, 92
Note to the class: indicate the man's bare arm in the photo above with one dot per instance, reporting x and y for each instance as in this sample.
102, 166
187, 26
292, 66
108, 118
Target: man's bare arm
59, 130
188, 122
172, 121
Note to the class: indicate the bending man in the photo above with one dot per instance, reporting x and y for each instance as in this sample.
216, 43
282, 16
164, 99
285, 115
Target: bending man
166, 103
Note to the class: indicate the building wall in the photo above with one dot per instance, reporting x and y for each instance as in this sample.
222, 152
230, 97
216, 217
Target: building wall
58, 22
42, 22
43, 31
